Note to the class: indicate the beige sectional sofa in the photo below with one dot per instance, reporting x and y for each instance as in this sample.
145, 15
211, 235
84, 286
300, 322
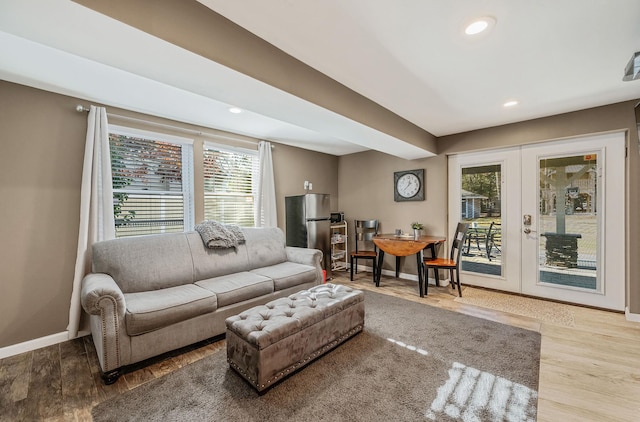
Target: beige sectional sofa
148, 295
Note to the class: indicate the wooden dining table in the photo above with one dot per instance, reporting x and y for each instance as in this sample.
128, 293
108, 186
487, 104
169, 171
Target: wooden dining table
405, 245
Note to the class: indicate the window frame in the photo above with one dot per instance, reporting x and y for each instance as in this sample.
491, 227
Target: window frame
187, 155
255, 170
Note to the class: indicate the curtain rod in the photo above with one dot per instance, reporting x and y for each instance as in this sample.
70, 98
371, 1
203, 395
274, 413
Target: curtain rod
80, 108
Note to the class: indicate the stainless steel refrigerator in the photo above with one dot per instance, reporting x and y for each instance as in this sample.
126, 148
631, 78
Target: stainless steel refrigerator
309, 224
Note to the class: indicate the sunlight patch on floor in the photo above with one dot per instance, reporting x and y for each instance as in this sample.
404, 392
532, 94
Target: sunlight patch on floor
470, 394
408, 347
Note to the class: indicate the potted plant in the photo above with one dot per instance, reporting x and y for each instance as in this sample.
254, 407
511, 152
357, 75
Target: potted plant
417, 228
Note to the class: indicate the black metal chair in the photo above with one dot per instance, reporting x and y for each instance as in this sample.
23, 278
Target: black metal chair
365, 230
494, 239
475, 235
452, 263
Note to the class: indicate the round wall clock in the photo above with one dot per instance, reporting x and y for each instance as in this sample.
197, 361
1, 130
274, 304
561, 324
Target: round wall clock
408, 185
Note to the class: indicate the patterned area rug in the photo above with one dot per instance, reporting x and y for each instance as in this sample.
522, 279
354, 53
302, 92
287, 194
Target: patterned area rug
551, 312
412, 362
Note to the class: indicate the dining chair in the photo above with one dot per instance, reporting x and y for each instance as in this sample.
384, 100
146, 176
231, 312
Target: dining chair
452, 263
365, 230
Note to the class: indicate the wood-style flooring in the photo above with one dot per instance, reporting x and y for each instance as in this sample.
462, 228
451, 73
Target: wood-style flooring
588, 372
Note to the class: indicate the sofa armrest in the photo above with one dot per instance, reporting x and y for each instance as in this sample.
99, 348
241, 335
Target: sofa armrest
104, 301
100, 291
305, 256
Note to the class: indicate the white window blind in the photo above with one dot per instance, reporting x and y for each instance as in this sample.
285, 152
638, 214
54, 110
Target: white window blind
152, 183
229, 185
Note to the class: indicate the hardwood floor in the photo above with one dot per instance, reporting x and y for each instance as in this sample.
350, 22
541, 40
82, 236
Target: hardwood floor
588, 372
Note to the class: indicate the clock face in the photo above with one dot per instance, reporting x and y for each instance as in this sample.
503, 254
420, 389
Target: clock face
408, 185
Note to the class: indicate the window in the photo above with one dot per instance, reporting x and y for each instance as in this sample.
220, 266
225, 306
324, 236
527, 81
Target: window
152, 182
230, 177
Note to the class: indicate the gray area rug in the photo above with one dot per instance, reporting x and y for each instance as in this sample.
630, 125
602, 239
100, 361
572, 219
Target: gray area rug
412, 362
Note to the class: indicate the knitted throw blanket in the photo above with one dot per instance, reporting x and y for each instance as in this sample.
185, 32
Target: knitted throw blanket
216, 235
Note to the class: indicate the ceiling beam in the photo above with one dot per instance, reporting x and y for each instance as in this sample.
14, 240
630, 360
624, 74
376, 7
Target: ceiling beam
196, 28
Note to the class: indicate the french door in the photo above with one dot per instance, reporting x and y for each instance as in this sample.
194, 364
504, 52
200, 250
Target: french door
545, 220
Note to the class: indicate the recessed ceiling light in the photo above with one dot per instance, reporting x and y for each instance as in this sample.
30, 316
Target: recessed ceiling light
480, 25
235, 110
511, 103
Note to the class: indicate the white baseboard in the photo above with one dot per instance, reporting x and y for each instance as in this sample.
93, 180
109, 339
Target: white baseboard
37, 343
631, 317
404, 276
34, 344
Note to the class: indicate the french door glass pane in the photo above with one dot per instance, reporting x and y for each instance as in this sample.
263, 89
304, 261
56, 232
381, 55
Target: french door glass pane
568, 223
482, 209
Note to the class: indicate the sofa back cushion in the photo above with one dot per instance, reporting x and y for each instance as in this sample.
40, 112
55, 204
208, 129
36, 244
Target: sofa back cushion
265, 245
143, 263
209, 263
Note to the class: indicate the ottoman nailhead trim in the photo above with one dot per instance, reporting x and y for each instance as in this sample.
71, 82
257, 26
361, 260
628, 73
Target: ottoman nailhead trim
250, 325
298, 364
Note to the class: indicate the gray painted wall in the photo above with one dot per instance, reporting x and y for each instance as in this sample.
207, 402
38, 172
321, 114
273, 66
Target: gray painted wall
365, 183
41, 155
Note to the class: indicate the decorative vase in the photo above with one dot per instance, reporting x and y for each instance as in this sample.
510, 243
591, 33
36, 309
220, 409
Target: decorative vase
417, 233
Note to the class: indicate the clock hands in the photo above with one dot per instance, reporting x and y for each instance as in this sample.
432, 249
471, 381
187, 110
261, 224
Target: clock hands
408, 186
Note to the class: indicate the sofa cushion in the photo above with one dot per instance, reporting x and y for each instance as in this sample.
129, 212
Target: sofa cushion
265, 246
142, 263
288, 274
209, 263
234, 288
148, 311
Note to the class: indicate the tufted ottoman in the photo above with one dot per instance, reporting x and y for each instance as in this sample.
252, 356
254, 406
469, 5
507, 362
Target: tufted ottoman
268, 342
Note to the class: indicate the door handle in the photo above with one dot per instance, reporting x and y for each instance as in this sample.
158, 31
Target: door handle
526, 221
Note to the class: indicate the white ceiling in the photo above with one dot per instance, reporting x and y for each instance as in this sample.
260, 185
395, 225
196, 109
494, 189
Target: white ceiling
411, 57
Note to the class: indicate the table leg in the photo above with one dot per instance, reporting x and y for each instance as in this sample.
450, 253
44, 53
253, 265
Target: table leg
397, 266
379, 269
419, 267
